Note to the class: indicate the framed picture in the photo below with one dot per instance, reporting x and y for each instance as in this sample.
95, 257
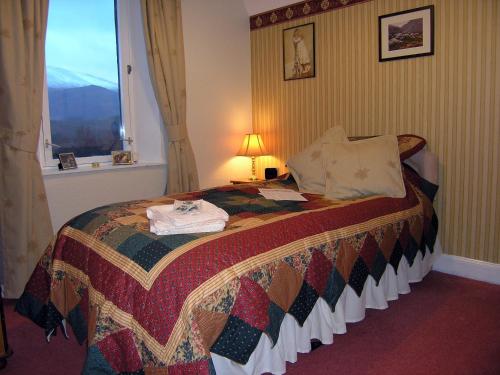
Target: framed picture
121, 157
67, 160
406, 34
298, 52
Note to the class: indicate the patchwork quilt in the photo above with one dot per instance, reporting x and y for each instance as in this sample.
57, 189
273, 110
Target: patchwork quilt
149, 304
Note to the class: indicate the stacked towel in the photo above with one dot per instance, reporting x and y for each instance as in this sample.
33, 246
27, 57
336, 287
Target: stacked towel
186, 217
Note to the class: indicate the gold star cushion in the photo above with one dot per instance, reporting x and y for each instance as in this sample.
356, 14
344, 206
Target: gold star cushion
361, 168
307, 167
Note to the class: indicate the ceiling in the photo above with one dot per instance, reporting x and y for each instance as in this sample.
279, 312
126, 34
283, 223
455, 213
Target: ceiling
259, 6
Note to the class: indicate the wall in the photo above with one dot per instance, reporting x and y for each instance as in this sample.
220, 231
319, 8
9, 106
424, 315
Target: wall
451, 98
217, 50
70, 195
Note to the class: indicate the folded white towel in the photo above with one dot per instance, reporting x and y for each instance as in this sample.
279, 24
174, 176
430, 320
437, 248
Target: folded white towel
205, 217
162, 230
206, 211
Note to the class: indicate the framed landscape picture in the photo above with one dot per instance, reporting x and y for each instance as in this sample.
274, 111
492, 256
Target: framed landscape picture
298, 52
406, 34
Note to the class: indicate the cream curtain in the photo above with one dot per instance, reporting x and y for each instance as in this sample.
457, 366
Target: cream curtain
162, 22
25, 226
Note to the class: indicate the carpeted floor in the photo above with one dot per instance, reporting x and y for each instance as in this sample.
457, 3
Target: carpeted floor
446, 325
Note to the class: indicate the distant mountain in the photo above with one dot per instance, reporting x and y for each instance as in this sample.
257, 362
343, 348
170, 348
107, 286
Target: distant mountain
85, 120
63, 79
86, 137
414, 26
393, 29
83, 103
84, 113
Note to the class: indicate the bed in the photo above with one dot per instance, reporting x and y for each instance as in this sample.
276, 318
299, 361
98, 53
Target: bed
244, 300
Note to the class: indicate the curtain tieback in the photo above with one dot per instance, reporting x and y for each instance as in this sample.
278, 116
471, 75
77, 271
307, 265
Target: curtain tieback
176, 133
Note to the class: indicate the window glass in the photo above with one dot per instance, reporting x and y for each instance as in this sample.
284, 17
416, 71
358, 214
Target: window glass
83, 78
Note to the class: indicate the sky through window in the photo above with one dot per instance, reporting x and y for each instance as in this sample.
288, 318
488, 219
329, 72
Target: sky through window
81, 38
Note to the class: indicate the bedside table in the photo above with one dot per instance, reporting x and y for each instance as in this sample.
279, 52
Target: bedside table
244, 181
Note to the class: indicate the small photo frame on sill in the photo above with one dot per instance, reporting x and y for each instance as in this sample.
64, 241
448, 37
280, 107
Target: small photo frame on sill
298, 52
406, 34
67, 161
122, 157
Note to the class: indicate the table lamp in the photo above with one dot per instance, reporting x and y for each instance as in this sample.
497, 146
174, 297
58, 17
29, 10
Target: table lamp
252, 146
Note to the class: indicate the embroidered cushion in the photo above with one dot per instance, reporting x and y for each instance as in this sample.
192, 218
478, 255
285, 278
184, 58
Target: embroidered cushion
307, 167
409, 144
365, 167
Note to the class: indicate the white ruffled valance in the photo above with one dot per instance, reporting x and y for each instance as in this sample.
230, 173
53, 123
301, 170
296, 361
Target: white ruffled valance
322, 324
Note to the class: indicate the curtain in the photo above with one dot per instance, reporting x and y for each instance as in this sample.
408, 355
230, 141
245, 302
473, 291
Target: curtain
162, 21
25, 226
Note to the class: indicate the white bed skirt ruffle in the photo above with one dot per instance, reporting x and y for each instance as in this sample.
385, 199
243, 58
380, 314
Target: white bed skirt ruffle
321, 324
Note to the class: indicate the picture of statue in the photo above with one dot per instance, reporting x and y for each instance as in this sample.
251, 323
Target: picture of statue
298, 52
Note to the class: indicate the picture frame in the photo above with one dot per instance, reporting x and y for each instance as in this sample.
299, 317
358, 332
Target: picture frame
406, 34
299, 55
67, 160
122, 157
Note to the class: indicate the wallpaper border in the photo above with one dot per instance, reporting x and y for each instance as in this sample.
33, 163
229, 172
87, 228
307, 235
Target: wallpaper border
298, 10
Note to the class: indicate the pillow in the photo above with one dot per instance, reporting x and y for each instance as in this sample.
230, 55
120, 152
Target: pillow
366, 167
307, 167
409, 145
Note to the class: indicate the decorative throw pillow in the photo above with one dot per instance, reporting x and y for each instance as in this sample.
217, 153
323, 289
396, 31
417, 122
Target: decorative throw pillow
409, 145
307, 167
366, 167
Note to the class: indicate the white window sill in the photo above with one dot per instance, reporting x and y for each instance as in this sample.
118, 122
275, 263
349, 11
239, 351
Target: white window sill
104, 167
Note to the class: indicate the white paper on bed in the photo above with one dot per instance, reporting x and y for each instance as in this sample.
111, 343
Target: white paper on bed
282, 195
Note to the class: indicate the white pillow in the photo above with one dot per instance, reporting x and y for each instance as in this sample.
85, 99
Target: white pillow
307, 167
366, 167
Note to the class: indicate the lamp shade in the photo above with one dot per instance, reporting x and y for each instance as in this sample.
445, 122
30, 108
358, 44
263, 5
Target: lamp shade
252, 146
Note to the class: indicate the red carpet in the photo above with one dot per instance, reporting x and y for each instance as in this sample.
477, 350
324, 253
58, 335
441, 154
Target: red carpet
446, 325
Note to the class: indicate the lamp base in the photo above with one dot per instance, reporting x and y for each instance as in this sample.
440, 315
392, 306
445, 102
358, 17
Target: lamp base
254, 177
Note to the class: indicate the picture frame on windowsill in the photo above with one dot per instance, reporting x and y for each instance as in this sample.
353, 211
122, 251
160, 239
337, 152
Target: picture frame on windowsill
67, 160
122, 157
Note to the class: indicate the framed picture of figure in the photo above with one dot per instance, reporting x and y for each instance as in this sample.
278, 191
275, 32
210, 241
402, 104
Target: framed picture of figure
298, 52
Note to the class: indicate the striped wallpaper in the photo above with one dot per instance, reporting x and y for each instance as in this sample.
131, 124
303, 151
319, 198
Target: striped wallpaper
452, 99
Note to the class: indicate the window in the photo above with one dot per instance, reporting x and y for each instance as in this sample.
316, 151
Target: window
86, 101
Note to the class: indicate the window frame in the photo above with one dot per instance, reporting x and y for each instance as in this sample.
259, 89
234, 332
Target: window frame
124, 52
